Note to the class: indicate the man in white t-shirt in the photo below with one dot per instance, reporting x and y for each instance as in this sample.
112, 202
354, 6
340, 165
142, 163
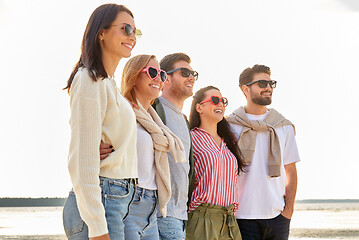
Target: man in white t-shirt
266, 139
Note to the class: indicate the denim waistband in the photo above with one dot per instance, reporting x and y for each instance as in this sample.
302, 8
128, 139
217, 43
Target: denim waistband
143, 191
133, 181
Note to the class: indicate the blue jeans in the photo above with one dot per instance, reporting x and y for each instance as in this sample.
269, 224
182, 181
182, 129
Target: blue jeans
171, 228
265, 229
141, 222
116, 197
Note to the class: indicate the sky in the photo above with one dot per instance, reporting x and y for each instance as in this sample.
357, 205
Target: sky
310, 45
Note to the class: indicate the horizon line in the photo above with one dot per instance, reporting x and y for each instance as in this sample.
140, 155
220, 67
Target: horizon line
300, 200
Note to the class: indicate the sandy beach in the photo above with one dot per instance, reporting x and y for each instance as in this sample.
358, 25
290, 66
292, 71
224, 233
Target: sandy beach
296, 233
34, 237
324, 233
324, 220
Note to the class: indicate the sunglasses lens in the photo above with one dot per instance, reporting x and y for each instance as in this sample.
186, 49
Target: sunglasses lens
195, 75
152, 72
138, 33
185, 72
215, 100
262, 84
225, 101
163, 76
128, 29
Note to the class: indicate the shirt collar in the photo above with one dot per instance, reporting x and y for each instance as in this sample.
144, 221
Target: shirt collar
170, 105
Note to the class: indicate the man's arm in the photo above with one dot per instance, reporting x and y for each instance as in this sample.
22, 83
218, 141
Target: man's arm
290, 190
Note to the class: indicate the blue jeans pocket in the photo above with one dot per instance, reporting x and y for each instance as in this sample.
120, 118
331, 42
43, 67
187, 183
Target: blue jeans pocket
136, 198
73, 224
118, 189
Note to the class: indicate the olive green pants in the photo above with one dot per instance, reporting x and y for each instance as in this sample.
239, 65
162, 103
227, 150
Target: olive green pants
212, 222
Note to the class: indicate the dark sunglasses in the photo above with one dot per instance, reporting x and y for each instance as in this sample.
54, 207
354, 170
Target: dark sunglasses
129, 30
153, 72
264, 83
185, 72
215, 100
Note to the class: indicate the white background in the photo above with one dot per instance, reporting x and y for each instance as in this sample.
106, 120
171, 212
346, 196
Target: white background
310, 45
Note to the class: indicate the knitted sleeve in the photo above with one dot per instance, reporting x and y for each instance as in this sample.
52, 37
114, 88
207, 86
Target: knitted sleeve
88, 105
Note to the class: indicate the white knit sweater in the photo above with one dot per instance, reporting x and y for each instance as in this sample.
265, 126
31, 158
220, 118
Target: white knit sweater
99, 112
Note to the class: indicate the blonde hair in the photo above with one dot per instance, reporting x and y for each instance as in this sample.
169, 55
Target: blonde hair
130, 74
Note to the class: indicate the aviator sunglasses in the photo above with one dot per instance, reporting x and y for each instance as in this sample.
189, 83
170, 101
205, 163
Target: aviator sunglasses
215, 100
129, 30
185, 72
264, 83
153, 72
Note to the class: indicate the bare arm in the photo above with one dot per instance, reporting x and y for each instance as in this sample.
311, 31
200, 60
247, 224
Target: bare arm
290, 190
102, 237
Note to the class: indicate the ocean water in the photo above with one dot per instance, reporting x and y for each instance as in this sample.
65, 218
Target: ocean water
319, 220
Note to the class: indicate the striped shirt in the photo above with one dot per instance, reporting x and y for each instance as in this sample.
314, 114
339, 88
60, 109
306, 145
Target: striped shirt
215, 170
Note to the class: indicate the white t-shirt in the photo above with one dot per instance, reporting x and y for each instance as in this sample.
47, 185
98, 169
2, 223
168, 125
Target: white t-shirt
260, 196
146, 159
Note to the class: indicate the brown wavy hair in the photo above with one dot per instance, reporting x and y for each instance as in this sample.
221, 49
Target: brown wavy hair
248, 74
167, 62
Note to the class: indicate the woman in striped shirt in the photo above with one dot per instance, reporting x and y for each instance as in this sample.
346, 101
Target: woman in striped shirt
217, 161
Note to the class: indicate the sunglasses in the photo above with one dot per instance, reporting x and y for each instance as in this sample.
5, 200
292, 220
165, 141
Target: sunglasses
128, 29
153, 72
185, 72
215, 100
264, 83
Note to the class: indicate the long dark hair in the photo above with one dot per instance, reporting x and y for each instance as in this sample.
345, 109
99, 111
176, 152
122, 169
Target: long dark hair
91, 54
223, 128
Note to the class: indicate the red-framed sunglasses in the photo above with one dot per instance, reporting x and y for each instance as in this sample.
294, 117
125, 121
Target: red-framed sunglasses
153, 72
215, 100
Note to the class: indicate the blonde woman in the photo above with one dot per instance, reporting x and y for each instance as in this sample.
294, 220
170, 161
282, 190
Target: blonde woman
142, 80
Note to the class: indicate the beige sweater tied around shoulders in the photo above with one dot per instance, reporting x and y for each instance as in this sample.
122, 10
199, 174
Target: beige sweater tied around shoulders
247, 139
164, 140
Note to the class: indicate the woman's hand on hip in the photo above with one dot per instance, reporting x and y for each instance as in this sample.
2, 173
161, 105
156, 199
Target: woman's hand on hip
102, 237
105, 150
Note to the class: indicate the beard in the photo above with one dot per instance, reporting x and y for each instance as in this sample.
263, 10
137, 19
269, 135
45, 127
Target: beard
263, 101
181, 91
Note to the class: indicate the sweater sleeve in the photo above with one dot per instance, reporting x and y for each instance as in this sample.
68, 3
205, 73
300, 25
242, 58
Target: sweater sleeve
88, 105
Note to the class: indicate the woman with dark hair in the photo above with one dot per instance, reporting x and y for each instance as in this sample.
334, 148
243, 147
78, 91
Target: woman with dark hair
217, 162
102, 190
142, 80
